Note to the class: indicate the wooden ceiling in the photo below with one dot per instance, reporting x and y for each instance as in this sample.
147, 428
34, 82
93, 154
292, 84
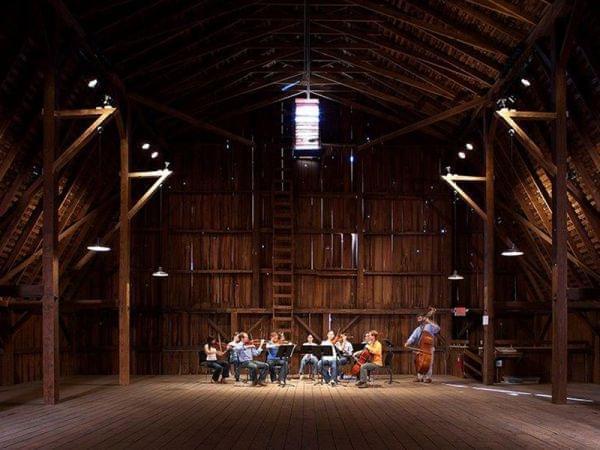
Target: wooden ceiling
400, 61
407, 59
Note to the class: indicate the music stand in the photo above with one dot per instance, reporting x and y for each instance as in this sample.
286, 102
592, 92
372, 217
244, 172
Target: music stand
311, 349
285, 352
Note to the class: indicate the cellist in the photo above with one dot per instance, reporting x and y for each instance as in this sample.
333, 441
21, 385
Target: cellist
429, 326
376, 351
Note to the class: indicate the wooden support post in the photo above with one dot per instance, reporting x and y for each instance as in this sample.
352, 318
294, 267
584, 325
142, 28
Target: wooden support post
255, 234
488, 258
596, 368
360, 238
233, 324
7, 360
50, 333
559, 226
124, 263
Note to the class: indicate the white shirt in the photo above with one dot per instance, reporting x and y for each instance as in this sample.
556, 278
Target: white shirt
211, 353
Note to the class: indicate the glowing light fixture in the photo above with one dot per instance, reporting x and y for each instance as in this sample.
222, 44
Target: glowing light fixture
525, 82
93, 83
98, 247
455, 276
145, 146
469, 146
154, 155
462, 155
512, 251
160, 273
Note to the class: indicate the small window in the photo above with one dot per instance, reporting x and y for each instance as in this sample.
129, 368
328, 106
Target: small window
308, 143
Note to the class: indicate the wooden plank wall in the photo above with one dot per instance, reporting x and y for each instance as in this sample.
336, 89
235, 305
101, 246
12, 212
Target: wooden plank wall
204, 240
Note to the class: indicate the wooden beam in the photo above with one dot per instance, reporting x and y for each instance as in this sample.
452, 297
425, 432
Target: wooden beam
559, 226
466, 197
507, 9
217, 328
50, 328
488, 365
132, 212
165, 109
22, 290
307, 328
429, 27
477, 101
124, 262
63, 235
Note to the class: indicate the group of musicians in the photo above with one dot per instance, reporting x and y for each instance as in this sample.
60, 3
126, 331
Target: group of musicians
242, 353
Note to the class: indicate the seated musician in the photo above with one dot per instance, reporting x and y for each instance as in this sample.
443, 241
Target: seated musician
428, 325
246, 351
376, 350
309, 358
345, 349
328, 364
273, 361
220, 367
233, 357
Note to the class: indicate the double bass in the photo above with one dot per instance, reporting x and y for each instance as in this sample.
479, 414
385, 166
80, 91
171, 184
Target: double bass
424, 354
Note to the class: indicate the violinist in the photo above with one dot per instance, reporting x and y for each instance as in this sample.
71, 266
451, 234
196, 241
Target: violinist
429, 326
233, 357
328, 364
220, 367
309, 358
273, 361
246, 351
345, 349
376, 351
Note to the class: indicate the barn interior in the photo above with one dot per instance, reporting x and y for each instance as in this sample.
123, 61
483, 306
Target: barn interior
172, 170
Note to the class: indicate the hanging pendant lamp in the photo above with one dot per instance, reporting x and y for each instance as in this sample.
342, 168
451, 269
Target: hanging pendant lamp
98, 246
160, 273
512, 251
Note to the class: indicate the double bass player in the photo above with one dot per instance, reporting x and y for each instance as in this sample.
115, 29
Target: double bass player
426, 331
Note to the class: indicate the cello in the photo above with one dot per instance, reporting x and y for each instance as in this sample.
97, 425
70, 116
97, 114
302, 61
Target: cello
364, 357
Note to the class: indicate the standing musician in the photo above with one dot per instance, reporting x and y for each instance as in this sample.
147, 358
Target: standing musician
274, 361
376, 351
309, 358
220, 367
246, 351
328, 364
426, 325
233, 357
345, 349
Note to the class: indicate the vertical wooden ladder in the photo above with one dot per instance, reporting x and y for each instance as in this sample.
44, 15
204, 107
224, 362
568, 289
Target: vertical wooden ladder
283, 252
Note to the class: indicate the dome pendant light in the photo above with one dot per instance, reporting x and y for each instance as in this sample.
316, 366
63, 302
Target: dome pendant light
512, 251
160, 273
455, 276
98, 246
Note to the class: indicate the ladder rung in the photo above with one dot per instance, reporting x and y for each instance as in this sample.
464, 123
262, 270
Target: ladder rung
283, 307
282, 283
282, 295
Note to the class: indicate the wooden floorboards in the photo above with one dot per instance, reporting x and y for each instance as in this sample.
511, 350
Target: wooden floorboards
189, 412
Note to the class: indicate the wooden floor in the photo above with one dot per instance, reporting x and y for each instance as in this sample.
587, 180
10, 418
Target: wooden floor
187, 412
